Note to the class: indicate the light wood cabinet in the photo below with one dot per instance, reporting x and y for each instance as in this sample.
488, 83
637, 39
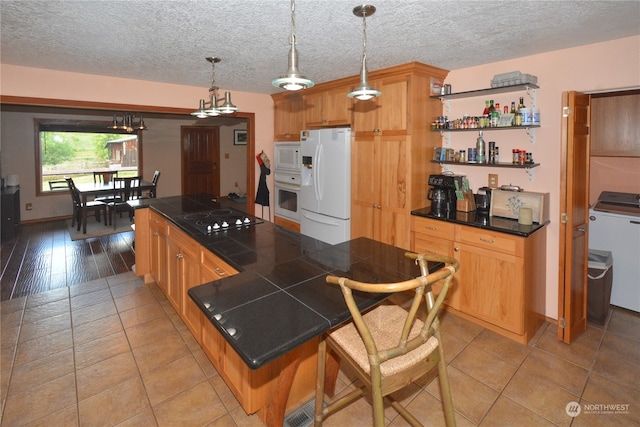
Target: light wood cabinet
288, 116
213, 268
501, 281
158, 250
388, 114
183, 272
330, 107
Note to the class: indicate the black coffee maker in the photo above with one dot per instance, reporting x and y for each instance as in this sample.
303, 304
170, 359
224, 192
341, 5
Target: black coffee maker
442, 194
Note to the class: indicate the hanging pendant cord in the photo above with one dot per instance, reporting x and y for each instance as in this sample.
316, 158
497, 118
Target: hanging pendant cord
292, 40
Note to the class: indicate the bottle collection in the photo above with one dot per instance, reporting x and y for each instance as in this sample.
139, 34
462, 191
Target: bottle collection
482, 153
492, 116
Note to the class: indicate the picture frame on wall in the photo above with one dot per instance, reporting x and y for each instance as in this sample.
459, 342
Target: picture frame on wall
239, 137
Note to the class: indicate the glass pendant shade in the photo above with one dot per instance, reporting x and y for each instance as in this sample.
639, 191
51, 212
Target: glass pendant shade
227, 107
211, 108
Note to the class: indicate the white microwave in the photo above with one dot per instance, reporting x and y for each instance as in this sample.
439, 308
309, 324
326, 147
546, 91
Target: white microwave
287, 157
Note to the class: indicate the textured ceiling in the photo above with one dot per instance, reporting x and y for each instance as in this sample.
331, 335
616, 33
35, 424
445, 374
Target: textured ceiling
167, 41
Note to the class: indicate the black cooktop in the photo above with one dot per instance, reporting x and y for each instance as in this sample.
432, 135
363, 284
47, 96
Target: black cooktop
217, 220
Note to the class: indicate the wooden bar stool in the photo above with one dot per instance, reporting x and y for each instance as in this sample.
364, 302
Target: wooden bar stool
389, 347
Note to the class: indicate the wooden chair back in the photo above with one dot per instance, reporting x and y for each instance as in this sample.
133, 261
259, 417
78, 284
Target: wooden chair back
104, 177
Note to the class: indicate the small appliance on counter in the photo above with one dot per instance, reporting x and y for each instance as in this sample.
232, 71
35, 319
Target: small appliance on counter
483, 199
442, 193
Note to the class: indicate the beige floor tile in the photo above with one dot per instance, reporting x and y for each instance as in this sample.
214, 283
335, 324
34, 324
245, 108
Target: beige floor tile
540, 396
136, 299
138, 315
451, 324
559, 371
506, 412
11, 306
228, 421
204, 363
123, 278
46, 311
195, 406
173, 378
501, 347
241, 419
622, 347
625, 323
148, 332
100, 349
43, 346
582, 351
36, 373
612, 364
47, 297
601, 390
106, 374
452, 346
67, 417
114, 405
95, 329
87, 287
359, 413
90, 298
143, 419
470, 397
484, 367
47, 326
131, 287
93, 312
228, 399
9, 335
6, 367
38, 402
428, 410
160, 352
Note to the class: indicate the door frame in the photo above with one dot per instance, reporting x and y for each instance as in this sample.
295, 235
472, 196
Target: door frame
110, 107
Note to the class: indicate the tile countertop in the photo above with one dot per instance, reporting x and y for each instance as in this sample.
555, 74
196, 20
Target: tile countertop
280, 299
475, 219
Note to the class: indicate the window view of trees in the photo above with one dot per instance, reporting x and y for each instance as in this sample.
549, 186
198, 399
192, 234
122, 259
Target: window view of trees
79, 154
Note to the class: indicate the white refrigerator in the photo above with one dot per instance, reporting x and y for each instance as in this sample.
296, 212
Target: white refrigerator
325, 193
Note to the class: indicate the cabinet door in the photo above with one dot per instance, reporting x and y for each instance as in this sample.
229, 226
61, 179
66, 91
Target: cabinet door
190, 272
158, 250
435, 245
288, 117
173, 274
491, 286
386, 115
331, 107
213, 268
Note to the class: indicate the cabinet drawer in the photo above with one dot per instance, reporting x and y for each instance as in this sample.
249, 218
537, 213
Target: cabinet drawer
432, 227
213, 268
157, 222
495, 241
426, 244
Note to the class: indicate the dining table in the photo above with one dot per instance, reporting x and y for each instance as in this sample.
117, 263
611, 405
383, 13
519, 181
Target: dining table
91, 189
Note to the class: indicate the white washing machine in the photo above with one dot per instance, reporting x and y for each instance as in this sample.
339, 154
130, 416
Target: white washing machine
615, 226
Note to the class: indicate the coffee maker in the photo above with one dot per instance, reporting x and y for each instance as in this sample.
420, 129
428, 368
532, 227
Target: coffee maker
442, 194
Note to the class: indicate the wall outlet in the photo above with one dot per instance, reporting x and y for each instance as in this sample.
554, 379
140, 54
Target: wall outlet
29, 206
493, 180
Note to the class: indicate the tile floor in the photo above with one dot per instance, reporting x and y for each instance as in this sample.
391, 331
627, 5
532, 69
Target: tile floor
114, 352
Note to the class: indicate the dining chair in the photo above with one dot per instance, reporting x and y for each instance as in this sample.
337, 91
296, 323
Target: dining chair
389, 347
125, 188
105, 177
58, 185
80, 209
152, 192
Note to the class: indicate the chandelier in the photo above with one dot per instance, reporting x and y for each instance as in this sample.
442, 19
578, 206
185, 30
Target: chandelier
293, 80
211, 108
364, 91
129, 123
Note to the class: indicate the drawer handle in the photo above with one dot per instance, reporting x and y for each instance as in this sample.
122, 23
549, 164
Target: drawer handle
179, 256
431, 252
377, 206
155, 234
456, 249
431, 228
486, 240
220, 272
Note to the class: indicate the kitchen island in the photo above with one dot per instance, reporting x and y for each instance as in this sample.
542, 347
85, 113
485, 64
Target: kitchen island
254, 294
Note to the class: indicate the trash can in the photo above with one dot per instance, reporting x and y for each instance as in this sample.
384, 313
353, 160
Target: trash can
600, 274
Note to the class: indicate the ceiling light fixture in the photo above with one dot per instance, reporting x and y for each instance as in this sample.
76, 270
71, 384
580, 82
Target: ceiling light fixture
364, 91
129, 123
293, 80
211, 108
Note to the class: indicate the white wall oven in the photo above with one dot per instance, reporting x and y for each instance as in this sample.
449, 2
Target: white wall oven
287, 180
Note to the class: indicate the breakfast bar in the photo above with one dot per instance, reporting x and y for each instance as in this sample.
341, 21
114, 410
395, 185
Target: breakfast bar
261, 318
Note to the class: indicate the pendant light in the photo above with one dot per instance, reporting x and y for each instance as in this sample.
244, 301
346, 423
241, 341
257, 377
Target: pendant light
293, 80
129, 123
210, 108
364, 91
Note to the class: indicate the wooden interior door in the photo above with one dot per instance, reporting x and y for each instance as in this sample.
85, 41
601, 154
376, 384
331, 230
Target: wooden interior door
200, 159
574, 208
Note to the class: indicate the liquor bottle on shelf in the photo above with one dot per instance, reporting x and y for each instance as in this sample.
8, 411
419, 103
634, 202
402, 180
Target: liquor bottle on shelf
480, 149
485, 112
521, 104
514, 112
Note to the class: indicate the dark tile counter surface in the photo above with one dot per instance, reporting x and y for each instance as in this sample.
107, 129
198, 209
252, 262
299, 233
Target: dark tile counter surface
480, 220
280, 299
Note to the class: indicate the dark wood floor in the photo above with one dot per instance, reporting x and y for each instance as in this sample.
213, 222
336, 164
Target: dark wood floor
43, 257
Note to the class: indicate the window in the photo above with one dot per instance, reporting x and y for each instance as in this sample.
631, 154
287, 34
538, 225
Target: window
77, 149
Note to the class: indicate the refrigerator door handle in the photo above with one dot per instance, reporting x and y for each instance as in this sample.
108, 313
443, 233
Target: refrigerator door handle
316, 174
321, 220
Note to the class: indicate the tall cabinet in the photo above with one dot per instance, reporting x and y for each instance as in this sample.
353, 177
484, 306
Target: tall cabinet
391, 142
